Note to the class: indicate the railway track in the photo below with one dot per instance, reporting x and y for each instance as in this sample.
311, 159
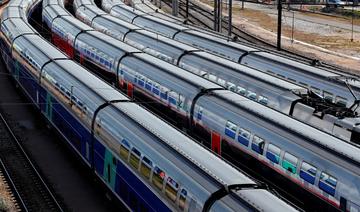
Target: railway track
29, 188
206, 20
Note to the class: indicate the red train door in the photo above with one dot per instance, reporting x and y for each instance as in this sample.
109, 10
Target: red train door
216, 142
130, 89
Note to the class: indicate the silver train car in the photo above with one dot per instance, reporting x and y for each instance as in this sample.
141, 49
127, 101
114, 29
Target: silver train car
144, 161
331, 86
272, 91
228, 123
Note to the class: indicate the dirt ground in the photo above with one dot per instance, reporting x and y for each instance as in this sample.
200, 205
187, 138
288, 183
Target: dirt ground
6, 203
334, 42
326, 43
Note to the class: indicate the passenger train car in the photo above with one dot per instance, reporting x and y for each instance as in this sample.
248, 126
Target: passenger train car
272, 91
144, 161
329, 85
225, 121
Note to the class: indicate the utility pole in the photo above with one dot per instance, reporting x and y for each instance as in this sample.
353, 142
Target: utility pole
220, 16
292, 27
187, 9
352, 23
215, 14
175, 8
279, 7
230, 18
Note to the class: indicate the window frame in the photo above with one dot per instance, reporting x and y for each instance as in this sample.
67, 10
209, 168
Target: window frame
230, 129
245, 139
270, 150
284, 160
305, 174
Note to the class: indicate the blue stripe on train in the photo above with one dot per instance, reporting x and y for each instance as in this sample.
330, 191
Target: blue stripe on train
78, 135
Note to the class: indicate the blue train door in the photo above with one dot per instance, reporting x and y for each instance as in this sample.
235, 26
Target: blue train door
216, 142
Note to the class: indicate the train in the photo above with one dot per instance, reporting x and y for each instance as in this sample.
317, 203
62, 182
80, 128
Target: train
146, 163
333, 87
284, 96
224, 121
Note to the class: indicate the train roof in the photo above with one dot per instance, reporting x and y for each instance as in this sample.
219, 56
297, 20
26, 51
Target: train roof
55, 11
237, 70
340, 152
89, 13
36, 49
15, 27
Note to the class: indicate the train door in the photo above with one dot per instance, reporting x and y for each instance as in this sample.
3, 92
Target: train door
216, 142
130, 89
342, 204
109, 172
81, 58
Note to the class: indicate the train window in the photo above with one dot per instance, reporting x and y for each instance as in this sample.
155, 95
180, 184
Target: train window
221, 82
124, 149
135, 158
241, 90
340, 101
92, 55
182, 199
148, 85
270, 72
251, 95
146, 166
329, 97
244, 137
80, 103
173, 96
308, 172
171, 189
292, 80
327, 183
199, 113
141, 80
316, 90
203, 73
156, 88
263, 100
273, 153
289, 162
304, 84
231, 86
230, 129
101, 60
212, 77
158, 177
279, 75
181, 102
164, 93
258, 144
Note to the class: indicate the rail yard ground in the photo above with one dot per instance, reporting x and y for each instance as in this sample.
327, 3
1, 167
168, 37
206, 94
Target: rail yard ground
325, 37
6, 199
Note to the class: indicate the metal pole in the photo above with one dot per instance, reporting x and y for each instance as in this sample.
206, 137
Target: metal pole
215, 15
242, 4
175, 8
292, 28
352, 23
230, 18
220, 16
279, 25
187, 8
